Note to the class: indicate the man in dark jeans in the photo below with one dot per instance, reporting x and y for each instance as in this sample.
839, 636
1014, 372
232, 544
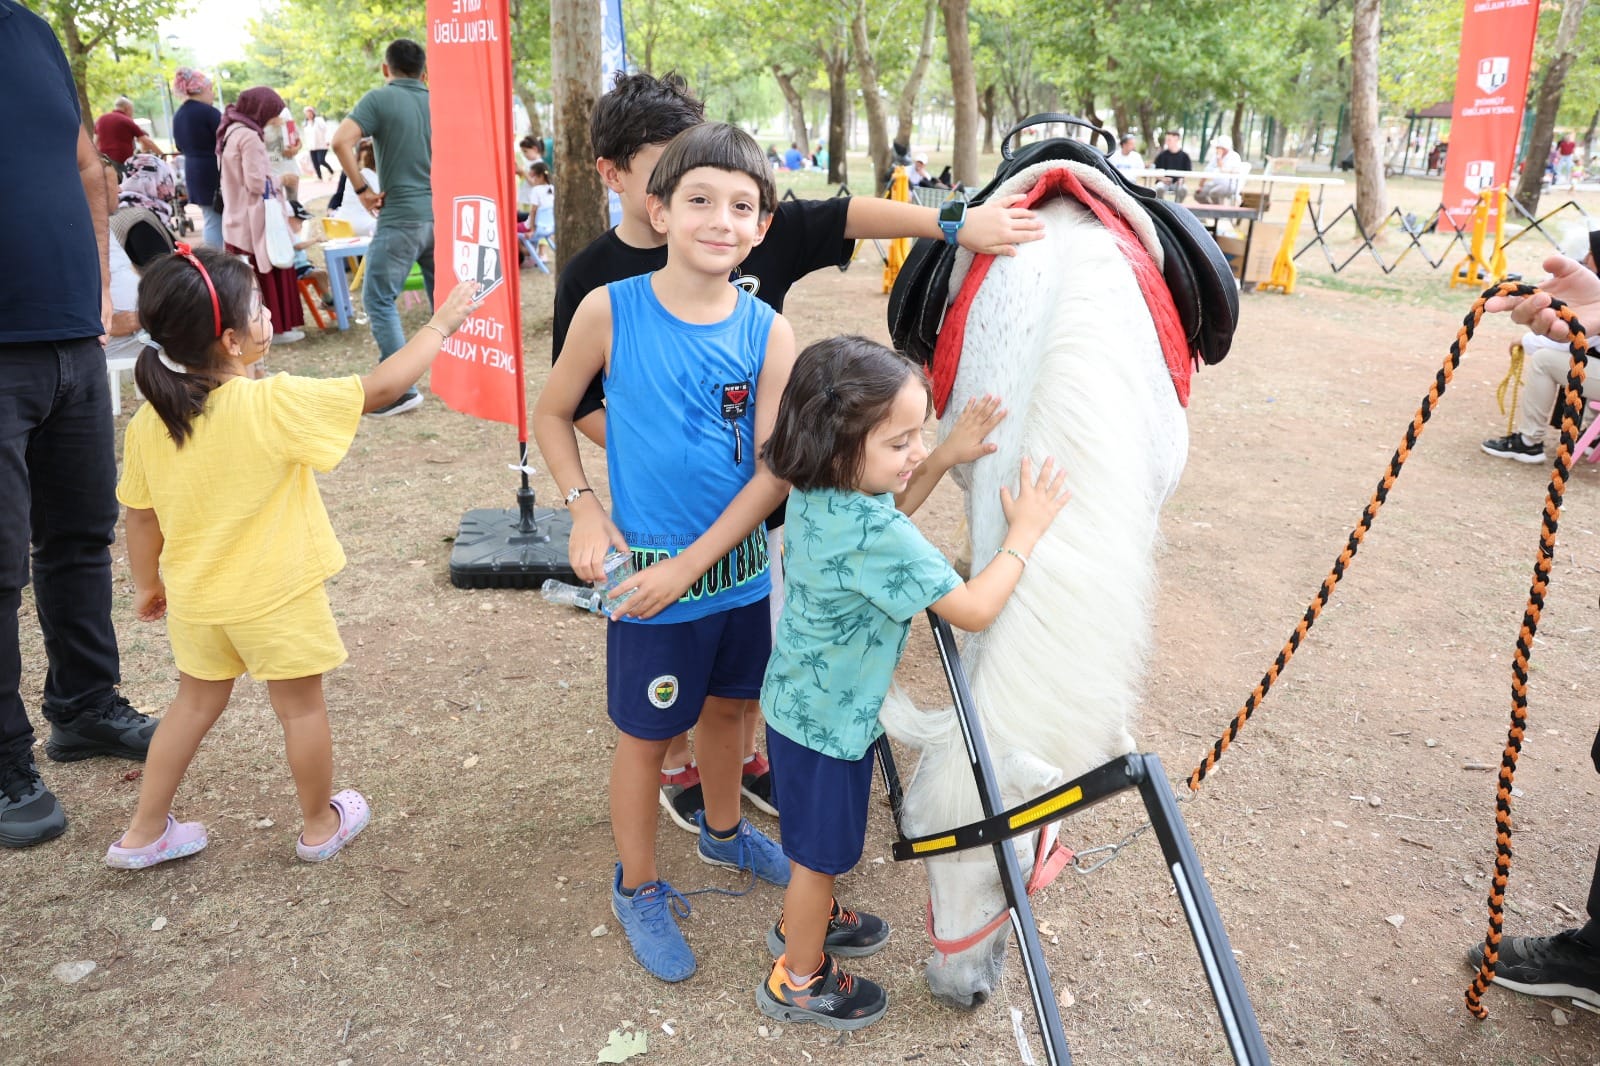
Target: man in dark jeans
57, 455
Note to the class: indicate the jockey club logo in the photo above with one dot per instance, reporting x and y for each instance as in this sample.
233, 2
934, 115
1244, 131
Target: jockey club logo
1480, 175
478, 255
1493, 72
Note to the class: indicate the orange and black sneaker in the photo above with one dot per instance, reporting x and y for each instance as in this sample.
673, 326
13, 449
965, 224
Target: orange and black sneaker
851, 934
832, 999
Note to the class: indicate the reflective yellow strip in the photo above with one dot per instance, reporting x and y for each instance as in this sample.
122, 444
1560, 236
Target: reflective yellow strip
937, 844
1039, 811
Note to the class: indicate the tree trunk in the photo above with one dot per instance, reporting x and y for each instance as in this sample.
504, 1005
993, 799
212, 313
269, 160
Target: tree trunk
530, 104
1119, 115
1147, 128
1371, 193
871, 95
1089, 114
964, 88
796, 104
77, 50
839, 114
906, 106
1551, 86
986, 105
1588, 134
575, 69
1237, 131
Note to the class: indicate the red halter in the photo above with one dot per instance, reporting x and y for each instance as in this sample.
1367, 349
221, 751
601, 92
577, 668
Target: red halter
1050, 857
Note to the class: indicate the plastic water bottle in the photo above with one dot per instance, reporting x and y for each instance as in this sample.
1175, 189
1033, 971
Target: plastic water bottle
579, 596
619, 568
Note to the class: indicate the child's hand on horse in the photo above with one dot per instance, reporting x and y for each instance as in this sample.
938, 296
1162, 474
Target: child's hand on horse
975, 422
997, 227
1037, 502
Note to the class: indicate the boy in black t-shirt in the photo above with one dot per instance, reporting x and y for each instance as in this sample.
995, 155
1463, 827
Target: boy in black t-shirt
1173, 157
628, 131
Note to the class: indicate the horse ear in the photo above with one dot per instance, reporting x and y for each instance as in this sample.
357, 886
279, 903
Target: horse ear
1023, 776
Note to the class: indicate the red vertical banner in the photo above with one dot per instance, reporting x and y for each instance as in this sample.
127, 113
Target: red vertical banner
1491, 89
479, 372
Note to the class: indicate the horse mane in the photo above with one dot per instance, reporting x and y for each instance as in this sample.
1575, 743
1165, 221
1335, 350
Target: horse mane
1062, 335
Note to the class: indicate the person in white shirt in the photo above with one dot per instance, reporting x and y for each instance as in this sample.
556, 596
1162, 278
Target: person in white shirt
1224, 160
315, 134
1126, 157
350, 208
920, 175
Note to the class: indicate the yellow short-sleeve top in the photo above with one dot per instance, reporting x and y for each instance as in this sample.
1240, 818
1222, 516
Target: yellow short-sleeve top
243, 525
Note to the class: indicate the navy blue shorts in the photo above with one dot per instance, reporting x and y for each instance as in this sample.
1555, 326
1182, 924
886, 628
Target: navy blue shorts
658, 677
824, 804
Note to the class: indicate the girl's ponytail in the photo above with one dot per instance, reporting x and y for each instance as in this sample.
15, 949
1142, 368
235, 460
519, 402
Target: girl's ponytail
176, 397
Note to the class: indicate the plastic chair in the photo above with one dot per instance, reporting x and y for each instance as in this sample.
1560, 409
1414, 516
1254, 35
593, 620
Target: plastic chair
335, 228
312, 299
413, 291
544, 226
114, 369
1590, 441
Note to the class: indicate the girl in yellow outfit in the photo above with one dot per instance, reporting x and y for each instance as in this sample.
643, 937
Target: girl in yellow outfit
227, 536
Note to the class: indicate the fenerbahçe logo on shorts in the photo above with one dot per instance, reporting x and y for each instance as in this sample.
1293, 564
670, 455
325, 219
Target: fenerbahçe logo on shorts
663, 691
475, 221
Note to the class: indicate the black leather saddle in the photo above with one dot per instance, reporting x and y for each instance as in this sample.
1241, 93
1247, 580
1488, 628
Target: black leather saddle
1196, 272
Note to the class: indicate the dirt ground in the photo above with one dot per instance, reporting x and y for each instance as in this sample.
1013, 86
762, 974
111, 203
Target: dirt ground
1347, 836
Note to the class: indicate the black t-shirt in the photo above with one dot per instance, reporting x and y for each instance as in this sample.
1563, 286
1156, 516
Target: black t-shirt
805, 235
48, 235
1178, 160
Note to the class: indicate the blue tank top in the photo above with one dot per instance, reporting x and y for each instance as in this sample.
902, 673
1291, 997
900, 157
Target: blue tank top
680, 437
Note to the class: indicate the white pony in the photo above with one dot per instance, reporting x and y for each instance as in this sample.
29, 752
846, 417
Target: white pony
1062, 334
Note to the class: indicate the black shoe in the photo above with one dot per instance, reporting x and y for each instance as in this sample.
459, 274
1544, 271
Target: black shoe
851, 934
1561, 965
115, 729
409, 402
682, 798
29, 813
755, 782
833, 999
1512, 446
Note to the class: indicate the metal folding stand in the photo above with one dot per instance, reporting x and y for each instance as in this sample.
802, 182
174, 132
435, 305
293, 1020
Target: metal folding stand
999, 825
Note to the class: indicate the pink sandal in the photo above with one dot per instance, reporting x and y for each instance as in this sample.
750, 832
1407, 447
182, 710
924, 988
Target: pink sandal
354, 814
179, 839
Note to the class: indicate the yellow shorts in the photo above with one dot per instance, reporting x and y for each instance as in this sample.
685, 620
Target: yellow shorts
298, 639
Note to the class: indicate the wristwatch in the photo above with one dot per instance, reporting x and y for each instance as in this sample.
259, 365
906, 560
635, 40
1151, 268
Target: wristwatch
952, 216
572, 497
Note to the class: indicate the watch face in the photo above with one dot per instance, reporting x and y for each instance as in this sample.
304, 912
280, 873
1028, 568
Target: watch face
953, 211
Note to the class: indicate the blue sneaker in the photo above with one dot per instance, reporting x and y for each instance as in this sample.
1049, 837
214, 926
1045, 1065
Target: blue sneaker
750, 849
647, 918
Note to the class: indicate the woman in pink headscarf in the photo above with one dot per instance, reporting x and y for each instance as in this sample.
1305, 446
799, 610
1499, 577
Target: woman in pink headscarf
246, 176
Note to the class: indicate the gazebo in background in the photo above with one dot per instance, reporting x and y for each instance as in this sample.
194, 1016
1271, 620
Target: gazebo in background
1444, 109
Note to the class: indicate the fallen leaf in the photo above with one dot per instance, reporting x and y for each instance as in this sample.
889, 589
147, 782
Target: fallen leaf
70, 973
158, 925
1396, 920
469, 762
623, 1046
264, 823
132, 775
598, 931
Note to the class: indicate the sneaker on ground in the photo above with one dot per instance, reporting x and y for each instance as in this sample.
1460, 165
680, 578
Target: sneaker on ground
1512, 446
409, 402
833, 999
851, 934
288, 336
1561, 966
682, 799
756, 784
649, 918
748, 849
29, 813
114, 729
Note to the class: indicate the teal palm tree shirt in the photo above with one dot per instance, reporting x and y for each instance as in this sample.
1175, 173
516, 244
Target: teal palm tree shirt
855, 573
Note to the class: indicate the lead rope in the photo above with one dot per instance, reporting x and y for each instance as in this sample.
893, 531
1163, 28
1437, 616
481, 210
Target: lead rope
1571, 406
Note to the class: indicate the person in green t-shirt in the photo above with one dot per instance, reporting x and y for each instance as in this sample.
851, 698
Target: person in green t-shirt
396, 118
856, 571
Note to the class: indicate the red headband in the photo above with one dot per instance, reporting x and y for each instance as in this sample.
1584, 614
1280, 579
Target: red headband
216, 307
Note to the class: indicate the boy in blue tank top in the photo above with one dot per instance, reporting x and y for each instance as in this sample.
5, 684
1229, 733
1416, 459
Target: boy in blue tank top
693, 369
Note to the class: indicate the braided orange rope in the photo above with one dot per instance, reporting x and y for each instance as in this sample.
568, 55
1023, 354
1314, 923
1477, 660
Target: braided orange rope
1571, 405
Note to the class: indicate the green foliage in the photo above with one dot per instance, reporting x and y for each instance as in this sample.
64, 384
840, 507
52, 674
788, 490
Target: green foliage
324, 53
111, 47
1415, 70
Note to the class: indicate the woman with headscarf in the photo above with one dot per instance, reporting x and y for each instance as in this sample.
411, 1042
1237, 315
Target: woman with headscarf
194, 131
246, 177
